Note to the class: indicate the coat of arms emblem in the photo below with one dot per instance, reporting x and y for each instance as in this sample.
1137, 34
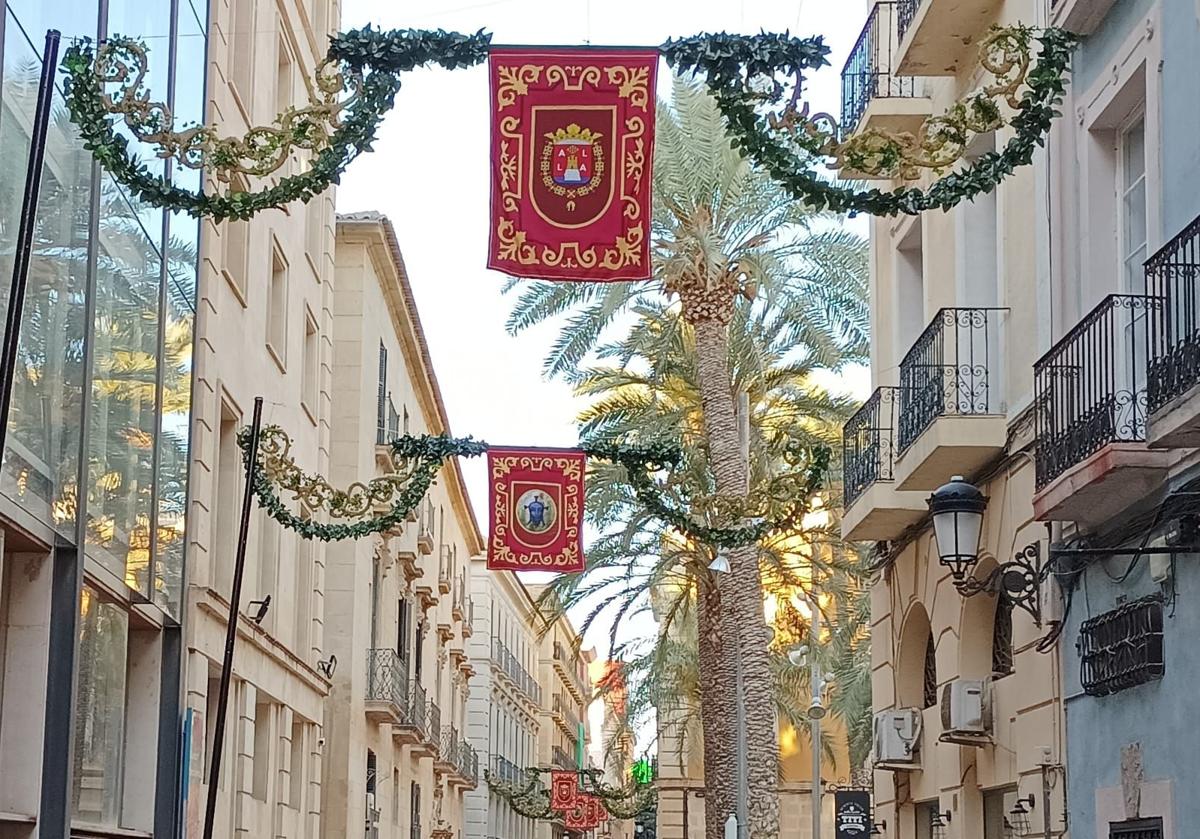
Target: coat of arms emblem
572, 161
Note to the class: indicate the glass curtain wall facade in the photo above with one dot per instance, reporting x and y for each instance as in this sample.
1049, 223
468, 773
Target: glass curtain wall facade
96, 463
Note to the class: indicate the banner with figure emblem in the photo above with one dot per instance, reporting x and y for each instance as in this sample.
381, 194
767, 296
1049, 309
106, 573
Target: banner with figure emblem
572, 145
536, 503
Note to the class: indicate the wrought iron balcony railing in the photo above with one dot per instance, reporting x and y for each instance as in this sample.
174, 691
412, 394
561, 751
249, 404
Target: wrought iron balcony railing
561, 759
1090, 388
868, 444
867, 73
1173, 274
387, 679
906, 13
564, 707
948, 371
434, 722
516, 672
506, 770
418, 710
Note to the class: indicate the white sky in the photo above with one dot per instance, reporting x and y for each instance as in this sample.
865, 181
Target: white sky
429, 173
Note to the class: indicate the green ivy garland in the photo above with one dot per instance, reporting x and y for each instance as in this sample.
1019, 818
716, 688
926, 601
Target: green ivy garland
423, 455
739, 70
530, 798
378, 57
730, 72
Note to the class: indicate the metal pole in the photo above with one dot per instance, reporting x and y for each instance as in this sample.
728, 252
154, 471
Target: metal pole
1046, 800
24, 245
235, 605
743, 769
815, 722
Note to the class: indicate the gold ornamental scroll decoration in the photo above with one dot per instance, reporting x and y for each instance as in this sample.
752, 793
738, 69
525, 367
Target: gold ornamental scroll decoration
572, 470
513, 243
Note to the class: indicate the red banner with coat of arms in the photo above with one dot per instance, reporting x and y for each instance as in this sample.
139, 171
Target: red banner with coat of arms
572, 146
536, 504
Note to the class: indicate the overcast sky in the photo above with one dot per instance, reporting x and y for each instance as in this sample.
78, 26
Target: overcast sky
429, 173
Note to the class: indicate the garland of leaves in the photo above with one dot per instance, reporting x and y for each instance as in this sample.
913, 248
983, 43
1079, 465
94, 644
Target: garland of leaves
530, 798
374, 59
741, 86
416, 460
740, 72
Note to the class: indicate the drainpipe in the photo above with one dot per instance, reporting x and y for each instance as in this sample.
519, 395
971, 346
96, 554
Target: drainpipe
1046, 800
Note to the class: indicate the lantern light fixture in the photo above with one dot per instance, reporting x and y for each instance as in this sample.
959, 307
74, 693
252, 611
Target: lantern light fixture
957, 509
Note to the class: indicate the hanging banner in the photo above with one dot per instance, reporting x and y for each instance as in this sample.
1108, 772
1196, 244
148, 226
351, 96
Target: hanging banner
536, 504
564, 789
572, 146
851, 814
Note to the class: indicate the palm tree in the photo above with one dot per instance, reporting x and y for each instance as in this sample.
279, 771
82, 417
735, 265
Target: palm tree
722, 231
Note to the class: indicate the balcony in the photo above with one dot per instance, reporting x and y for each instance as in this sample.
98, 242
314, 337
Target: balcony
1079, 16
561, 759
445, 570
1173, 398
457, 759
565, 717
425, 529
510, 670
468, 624
937, 37
1090, 400
414, 730
387, 687
874, 509
458, 603
872, 95
951, 417
443, 763
506, 771
567, 666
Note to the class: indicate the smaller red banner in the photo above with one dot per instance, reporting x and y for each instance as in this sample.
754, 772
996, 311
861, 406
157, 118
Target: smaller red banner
564, 790
536, 509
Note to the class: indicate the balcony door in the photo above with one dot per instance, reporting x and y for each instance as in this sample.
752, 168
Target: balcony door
1129, 368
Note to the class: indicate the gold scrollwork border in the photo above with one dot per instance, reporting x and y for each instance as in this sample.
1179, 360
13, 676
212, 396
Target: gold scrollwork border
572, 472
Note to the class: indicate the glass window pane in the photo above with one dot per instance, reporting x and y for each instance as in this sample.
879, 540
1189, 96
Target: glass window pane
99, 711
43, 443
124, 392
1134, 153
29, 20
1135, 216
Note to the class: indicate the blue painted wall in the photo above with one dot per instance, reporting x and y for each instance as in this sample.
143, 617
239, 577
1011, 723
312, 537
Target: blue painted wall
1157, 714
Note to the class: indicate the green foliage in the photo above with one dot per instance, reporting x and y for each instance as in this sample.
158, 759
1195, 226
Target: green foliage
730, 69
530, 797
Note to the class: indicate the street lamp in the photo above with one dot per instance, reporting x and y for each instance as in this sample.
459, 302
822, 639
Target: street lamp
957, 510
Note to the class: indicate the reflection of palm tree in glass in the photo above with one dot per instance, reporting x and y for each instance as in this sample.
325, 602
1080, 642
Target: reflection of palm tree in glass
47, 393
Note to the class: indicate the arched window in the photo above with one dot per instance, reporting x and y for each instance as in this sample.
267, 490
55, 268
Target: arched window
1002, 638
931, 679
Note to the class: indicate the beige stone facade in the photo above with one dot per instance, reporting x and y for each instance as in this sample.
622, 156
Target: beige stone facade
399, 605
263, 328
955, 334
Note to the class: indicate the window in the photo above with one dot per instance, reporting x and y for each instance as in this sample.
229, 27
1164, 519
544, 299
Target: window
296, 767
418, 653
1132, 162
270, 533
262, 748
910, 289
311, 366
1002, 638
414, 809
277, 308
403, 628
235, 246
923, 814
284, 78
1000, 815
372, 771
303, 598
228, 467
396, 796
405, 409
381, 414
1136, 829
241, 51
1123, 648
930, 692
100, 711
314, 234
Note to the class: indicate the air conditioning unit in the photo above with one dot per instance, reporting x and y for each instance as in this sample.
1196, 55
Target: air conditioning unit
967, 712
897, 738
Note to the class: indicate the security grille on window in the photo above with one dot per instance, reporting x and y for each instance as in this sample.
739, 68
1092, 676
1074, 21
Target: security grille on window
1122, 648
1139, 829
930, 679
1002, 638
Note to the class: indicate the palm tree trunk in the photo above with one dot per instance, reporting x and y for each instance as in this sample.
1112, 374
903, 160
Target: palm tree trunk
716, 715
741, 604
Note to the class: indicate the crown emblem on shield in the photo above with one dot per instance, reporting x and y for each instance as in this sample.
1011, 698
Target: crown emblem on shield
572, 161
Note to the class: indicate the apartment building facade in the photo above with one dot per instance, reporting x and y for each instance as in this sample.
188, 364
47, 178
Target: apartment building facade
263, 328
504, 718
959, 320
93, 515
399, 605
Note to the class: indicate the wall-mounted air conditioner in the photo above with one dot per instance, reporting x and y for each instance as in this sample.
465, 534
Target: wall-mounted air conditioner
897, 738
967, 712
